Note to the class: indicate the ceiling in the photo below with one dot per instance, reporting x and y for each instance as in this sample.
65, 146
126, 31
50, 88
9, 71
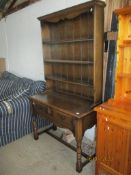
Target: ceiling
10, 6
3, 4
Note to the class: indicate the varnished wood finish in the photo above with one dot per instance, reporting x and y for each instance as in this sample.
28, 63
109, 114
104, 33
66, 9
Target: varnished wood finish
65, 103
114, 116
113, 138
71, 51
63, 110
123, 72
98, 52
72, 47
123, 11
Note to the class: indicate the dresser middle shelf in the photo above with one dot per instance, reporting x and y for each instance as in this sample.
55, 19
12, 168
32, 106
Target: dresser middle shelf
69, 41
81, 83
68, 61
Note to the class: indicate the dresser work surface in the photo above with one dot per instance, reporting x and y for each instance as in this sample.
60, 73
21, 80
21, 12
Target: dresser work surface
66, 103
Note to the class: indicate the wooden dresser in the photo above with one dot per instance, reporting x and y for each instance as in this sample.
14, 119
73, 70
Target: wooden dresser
73, 63
114, 116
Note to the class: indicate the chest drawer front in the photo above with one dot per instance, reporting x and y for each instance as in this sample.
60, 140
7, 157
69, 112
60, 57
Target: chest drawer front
44, 111
111, 144
58, 118
63, 120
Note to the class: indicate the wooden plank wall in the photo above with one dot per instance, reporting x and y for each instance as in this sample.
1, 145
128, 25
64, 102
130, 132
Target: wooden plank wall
111, 5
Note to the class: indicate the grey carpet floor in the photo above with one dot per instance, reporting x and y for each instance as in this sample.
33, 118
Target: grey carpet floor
43, 157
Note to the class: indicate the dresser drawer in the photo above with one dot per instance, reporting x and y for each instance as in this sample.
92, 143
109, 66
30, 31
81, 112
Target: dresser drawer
63, 120
58, 118
44, 111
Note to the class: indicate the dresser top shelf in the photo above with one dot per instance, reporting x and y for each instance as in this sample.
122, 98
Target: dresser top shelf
71, 12
68, 104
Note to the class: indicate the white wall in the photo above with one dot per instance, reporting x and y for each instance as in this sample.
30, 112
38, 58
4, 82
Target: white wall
20, 37
3, 42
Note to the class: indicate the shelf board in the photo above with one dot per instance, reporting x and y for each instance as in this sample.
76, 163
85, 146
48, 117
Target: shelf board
125, 44
90, 98
124, 75
128, 42
80, 83
68, 41
67, 61
123, 11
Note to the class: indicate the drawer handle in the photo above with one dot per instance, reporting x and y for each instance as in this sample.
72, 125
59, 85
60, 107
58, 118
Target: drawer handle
49, 111
33, 103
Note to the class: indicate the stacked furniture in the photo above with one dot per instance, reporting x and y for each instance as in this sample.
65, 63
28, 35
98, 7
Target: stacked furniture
15, 108
114, 116
73, 63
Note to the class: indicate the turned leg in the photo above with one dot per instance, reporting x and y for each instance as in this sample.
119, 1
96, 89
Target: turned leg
79, 161
54, 127
34, 125
78, 136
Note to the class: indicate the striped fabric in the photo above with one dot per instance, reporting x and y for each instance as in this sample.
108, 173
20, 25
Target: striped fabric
15, 109
14, 94
9, 76
38, 87
5, 85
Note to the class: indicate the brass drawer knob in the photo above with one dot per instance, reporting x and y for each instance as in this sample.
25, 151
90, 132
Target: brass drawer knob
49, 111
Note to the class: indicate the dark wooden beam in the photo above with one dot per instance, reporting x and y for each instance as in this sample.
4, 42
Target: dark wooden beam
19, 7
12, 3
